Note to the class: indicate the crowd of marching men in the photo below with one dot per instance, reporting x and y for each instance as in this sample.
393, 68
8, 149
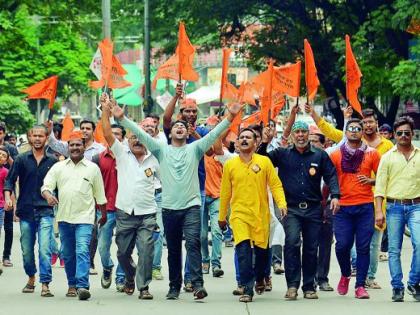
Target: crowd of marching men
280, 200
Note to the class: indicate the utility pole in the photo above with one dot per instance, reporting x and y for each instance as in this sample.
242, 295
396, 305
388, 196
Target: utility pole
148, 102
106, 18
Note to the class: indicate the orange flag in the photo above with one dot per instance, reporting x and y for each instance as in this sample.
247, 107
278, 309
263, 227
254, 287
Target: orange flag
353, 76
116, 79
185, 52
179, 64
226, 88
268, 94
98, 134
252, 119
278, 103
287, 79
46, 89
68, 127
311, 76
105, 47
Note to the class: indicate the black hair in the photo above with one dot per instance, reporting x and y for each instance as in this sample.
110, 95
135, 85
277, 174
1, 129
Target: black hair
355, 121
179, 121
248, 129
256, 128
40, 127
321, 137
3, 127
120, 127
87, 121
369, 112
152, 115
59, 129
3, 148
404, 120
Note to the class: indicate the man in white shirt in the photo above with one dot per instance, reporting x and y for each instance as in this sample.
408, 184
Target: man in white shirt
136, 206
79, 183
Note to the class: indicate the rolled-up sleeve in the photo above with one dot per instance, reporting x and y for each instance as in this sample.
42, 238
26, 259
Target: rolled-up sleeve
50, 180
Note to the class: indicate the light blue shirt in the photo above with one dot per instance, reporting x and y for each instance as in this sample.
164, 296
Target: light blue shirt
178, 165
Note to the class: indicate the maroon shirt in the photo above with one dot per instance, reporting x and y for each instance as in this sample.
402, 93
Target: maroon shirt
108, 167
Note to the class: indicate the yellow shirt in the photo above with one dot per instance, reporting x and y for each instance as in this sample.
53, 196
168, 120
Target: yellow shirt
79, 185
398, 178
244, 189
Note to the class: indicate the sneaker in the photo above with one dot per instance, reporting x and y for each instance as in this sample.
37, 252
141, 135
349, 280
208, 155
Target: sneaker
156, 274
343, 285
397, 295
238, 291
414, 290
372, 284
200, 293
205, 268
173, 294
92, 271
361, 293
277, 269
217, 272
54, 258
83, 294
61, 263
145, 295
120, 287
106, 278
268, 284
188, 287
325, 286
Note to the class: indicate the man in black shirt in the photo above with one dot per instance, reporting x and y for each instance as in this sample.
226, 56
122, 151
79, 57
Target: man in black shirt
8, 216
301, 168
36, 216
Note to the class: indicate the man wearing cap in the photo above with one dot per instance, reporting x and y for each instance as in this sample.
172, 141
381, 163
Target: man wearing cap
79, 184
181, 199
386, 131
301, 168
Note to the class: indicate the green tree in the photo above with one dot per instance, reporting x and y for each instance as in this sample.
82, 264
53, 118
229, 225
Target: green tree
15, 113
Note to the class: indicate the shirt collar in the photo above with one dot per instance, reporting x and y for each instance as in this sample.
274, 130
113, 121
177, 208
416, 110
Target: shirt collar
309, 149
82, 161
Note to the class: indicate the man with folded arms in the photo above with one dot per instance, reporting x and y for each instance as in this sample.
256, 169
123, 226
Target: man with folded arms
398, 181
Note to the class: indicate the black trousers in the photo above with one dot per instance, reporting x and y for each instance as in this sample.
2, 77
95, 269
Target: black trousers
302, 227
384, 243
324, 247
8, 234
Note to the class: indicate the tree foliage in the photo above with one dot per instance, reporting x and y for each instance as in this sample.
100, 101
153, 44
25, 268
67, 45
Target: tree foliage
15, 113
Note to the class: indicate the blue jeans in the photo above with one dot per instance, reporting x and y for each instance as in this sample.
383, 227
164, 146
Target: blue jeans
375, 244
104, 244
157, 257
211, 208
75, 245
28, 232
350, 222
353, 256
397, 216
1, 219
177, 223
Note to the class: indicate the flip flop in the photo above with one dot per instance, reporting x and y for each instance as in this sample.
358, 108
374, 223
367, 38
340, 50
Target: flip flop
29, 288
71, 292
46, 293
245, 298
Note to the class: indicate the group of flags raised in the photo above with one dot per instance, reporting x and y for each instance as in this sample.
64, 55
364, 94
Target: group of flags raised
268, 87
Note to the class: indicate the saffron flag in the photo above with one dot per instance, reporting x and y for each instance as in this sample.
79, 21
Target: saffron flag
311, 77
68, 127
353, 78
98, 134
287, 79
46, 89
252, 119
179, 65
266, 101
227, 89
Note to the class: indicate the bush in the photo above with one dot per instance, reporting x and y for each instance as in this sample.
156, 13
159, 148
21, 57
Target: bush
16, 114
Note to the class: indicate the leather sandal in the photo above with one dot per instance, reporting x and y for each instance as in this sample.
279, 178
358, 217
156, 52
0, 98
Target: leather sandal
29, 288
291, 294
246, 298
260, 287
71, 292
129, 287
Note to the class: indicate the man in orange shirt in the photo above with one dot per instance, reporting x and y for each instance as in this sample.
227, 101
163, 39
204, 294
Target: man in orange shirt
354, 162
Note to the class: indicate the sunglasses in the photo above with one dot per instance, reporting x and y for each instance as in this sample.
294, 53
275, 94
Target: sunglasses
354, 129
403, 133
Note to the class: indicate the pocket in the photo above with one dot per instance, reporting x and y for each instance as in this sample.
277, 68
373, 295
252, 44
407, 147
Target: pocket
85, 186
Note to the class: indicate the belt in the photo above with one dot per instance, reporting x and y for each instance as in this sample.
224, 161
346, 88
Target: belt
304, 204
404, 201
157, 191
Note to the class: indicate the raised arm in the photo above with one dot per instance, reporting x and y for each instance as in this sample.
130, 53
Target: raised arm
290, 121
55, 144
106, 114
170, 108
152, 144
326, 128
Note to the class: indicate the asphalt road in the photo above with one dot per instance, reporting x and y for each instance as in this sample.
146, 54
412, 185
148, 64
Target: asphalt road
220, 300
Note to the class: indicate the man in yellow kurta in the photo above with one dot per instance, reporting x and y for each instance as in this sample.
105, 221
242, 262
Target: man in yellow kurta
373, 139
244, 188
